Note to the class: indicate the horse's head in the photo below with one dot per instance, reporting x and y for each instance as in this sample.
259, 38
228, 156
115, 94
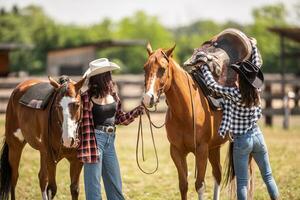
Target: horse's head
157, 74
68, 107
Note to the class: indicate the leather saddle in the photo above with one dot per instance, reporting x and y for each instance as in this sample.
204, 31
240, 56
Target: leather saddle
224, 49
37, 96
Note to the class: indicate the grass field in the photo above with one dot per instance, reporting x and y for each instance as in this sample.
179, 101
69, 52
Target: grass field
284, 148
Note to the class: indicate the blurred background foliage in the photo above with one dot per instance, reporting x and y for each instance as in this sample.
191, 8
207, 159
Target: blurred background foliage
30, 25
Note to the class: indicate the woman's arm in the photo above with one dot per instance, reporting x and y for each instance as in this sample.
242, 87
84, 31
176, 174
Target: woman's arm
123, 118
227, 92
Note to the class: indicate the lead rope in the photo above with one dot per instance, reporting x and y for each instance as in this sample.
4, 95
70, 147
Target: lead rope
140, 135
194, 124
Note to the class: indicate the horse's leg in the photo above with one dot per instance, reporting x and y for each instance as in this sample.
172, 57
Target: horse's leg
201, 162
179, 159
75, 170
43, 174
52, 187
214, 159
14, 154
14, 142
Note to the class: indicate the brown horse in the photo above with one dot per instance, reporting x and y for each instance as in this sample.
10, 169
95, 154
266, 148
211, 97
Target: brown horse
185, 100
51, 131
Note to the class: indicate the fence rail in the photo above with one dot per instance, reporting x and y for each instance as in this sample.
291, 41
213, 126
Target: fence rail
131, 88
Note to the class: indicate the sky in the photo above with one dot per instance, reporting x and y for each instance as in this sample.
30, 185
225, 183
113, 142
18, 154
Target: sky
171, 13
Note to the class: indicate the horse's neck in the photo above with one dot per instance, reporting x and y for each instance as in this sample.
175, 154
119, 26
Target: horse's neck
179, 94
55, 127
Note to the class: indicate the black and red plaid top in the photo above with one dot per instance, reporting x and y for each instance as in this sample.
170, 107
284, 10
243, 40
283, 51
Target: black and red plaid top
87, 150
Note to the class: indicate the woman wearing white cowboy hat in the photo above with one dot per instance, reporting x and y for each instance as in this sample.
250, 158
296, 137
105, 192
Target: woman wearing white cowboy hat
101, 112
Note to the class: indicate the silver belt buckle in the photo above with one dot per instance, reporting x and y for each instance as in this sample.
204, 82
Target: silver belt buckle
110, 129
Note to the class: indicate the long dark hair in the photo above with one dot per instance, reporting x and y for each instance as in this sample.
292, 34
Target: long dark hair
250, 95
101, 85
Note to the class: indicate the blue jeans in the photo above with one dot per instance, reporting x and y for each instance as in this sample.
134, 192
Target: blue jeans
107, 167
252, 143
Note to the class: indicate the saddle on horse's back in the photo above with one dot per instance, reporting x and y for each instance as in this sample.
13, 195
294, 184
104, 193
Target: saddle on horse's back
226, 48
37, 96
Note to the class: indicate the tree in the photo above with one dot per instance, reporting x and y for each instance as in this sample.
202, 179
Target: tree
268, 43
138, 26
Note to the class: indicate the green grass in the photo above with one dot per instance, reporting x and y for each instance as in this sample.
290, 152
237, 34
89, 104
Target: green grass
284, 148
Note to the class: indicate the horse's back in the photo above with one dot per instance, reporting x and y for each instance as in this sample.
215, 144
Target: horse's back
25, 85
20, 117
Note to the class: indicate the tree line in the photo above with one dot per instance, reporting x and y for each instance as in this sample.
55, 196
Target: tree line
30, 25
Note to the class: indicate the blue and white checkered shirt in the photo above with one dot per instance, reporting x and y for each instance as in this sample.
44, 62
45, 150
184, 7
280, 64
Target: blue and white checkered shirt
237, 118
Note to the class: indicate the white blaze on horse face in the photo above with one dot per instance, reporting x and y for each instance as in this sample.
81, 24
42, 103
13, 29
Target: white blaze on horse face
69, 125
18, 134
150, 93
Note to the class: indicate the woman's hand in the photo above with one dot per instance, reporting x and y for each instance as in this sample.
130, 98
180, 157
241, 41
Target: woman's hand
141, 109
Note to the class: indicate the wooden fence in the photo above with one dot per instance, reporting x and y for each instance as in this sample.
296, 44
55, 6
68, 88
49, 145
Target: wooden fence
277, 101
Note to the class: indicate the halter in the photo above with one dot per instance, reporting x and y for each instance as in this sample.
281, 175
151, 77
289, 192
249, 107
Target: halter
54, 104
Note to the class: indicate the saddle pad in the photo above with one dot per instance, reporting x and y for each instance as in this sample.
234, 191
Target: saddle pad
37, 96
215, 103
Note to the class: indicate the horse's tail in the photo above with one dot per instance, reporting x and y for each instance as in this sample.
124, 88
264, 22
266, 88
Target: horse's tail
5, 173
230, 174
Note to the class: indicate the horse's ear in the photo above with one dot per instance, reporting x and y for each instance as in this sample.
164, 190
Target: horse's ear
149, 49
170, 51
53, 82
79, 84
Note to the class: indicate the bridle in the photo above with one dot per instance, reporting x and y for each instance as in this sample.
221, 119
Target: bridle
55, 108
140, 128
140, 134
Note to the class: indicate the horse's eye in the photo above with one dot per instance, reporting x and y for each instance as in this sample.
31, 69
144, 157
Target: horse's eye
74, 105
161, 71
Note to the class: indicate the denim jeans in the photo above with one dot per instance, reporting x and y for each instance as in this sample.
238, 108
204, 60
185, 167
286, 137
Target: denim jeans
107, 168
252, 143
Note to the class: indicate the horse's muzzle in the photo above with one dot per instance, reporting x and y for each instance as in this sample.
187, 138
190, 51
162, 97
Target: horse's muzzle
148, 100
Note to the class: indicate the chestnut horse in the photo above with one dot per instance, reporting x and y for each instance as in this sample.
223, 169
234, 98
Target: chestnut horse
51, 131
188, 111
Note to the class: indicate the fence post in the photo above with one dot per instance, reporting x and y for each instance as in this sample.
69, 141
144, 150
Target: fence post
296, 91
286, 112
268, 101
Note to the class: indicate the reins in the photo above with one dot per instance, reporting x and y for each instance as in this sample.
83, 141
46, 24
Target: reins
147, 111
140, 135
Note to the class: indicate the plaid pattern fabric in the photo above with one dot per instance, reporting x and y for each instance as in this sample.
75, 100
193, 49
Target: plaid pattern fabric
123, 118
87, 150
255, 54
237, 119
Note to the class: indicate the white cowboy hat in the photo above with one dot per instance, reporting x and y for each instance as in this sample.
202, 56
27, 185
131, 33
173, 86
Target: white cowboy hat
100, 66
